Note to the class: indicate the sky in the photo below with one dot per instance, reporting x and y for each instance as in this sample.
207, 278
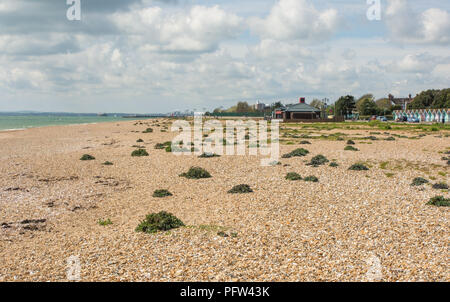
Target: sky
142, 56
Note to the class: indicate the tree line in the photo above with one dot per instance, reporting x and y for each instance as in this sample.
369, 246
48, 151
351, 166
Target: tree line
366, 105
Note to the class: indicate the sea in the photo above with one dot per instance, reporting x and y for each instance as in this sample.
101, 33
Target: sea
18, 121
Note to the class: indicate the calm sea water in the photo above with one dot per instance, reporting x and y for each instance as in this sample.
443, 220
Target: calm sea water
24, 121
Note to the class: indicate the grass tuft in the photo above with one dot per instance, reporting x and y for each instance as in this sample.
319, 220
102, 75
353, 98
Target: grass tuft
105, 222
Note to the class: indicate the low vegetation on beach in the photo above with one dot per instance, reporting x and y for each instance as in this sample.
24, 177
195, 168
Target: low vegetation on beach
87, 157
161, 193
139, 153
196, 173
162, 221
240, 189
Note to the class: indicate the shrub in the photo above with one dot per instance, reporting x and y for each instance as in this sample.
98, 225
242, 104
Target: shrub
440, 186
439, 201
418, 181
196, 173
108, 163
334, 164
351, 148
318, 160
87, 157
293, 176
305, 143
240, 189
161, 193
350, 142
161, 221
311, 179
390, 138
208, 155
358, 167
373, 138
148, 130
296, 153
139, 152
105, 222
140, 140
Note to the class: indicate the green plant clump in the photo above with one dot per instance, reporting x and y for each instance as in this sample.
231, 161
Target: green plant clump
318, 160
108, 163
440, 186
208, 155
351, 148
418, 181
358, 167
334, 164
148, 130
311, 179
350, 142
161, 221
139, 153
293, 176
305, 143
439, 201
105, 222
87, 157
296, 153
140, 140
161, 193
196, 173
240, 189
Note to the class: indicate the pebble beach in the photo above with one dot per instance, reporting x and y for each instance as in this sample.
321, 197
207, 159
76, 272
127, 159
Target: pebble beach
349, 226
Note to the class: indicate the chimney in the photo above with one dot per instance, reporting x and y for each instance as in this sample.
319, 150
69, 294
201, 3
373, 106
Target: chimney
302, 100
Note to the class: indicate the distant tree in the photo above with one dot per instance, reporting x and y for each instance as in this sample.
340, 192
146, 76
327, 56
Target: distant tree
423, 100
441, 99
217, 110
360, 101
368, 107
316, 103
277, 105
384, 103
243, 107
345, 105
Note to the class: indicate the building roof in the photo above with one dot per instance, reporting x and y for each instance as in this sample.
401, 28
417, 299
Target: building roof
301, 107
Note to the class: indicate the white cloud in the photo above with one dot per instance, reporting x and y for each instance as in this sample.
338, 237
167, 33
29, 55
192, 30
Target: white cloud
199, 30
407, 26
296, 19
